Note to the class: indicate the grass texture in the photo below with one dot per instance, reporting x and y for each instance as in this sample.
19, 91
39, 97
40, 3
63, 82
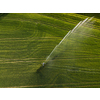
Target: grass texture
27, 39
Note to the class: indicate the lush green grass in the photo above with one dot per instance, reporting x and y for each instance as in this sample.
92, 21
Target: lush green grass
27, 39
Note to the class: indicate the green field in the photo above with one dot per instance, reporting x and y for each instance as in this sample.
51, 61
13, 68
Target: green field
27, 39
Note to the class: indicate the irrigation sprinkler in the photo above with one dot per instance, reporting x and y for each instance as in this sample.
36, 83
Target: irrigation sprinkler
59, 47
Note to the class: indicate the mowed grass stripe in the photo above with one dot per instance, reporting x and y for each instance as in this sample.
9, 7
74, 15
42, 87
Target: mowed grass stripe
53, 24
75, 17
50, 21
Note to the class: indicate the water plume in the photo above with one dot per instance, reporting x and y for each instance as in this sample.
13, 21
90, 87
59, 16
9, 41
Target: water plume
77, 32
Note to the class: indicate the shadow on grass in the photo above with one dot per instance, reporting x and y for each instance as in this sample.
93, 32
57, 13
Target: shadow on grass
2, 15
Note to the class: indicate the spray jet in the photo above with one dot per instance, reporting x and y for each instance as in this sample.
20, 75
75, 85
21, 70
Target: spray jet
81, 23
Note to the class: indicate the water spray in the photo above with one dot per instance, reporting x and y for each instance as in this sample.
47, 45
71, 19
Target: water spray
56, 50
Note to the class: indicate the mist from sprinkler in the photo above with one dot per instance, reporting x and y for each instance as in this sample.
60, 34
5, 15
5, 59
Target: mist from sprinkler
76, 30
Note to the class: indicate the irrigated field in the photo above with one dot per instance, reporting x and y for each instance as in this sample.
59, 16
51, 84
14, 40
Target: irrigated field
27, 39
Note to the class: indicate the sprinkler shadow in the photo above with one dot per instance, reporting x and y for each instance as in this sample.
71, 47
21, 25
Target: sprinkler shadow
41, 68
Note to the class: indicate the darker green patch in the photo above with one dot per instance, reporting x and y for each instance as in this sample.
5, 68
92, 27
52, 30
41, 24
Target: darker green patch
3, 15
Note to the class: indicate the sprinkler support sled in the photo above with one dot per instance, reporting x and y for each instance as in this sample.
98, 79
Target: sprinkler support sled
41, 67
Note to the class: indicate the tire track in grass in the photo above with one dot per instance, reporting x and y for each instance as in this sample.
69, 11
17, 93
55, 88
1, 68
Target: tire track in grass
77, 70
70, 19
37, 22
57, 85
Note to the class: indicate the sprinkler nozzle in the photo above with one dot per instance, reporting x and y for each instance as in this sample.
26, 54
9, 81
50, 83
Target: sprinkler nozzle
43, 64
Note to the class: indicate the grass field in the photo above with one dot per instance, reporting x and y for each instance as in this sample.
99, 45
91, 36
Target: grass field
27, 39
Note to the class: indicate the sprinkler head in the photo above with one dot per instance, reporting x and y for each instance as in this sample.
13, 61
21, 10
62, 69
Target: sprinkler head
43, 64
